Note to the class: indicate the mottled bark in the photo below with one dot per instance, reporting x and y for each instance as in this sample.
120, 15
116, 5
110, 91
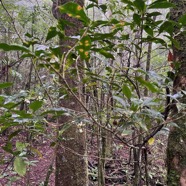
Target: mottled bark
176, 150
71, 160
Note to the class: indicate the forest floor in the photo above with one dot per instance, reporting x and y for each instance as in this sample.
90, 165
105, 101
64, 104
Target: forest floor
118, 166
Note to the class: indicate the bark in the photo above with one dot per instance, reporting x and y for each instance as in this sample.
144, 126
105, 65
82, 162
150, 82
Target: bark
71, 159
176, 150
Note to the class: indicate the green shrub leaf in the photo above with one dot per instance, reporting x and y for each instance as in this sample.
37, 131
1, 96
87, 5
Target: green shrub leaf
5, 85
36, 105
20, 166
126, 91
74, 10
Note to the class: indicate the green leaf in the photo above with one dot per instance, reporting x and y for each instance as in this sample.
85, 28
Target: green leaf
52, 32
84, 47
148, 30
182, 19
147, 84
20, 166
7, 47
36, 105
104, 36
5, 85
103, 8
74, 10
99, 23
174, 41
94, 1
140, 5
10, 105
137, 19
127, 2
152, 14
167, 26
104, 53
15, 133
23, 114
161, 4
2, 100
8, 147
126, 91
20, 146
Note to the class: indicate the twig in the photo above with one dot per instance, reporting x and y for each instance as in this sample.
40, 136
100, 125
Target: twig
13, 22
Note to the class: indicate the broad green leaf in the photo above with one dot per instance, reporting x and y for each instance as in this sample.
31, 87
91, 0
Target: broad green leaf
167, 26
23, 114
7, 47
2, 100
5, 85
103, 8
52, 32
182, 19
8, 147
99, 23
20, 166
161, 4
127, 2
153, 14
140, 5
104, 53
94, 1
147, 84
10, 105
15, 133
148, 30
108, 69
29, 55
35, 105
74, 10
137, 19
100, 36
174, 41
84, 47
20, 146
126, 91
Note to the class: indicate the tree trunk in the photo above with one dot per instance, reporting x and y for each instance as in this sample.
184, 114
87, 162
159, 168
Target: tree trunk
71, 159
176, 150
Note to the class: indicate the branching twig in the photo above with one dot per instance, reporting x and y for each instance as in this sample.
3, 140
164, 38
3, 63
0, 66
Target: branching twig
13, 22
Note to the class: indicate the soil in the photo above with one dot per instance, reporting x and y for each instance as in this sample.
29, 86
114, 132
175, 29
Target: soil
118, 166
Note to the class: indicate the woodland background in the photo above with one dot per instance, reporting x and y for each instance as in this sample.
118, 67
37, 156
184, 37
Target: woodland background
92, 93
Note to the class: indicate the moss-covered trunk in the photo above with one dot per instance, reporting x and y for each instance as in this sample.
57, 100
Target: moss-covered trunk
71, 160
176, 150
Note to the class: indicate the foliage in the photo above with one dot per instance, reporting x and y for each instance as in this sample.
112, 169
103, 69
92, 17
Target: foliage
114, 51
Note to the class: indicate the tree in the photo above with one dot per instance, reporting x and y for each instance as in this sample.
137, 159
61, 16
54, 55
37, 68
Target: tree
71, 160
109, 57
176, 151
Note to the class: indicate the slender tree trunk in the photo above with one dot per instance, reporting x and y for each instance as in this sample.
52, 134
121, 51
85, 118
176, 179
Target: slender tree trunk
176, 150
71, 160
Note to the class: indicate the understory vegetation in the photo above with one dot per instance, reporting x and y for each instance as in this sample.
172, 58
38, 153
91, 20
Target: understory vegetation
123, 65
